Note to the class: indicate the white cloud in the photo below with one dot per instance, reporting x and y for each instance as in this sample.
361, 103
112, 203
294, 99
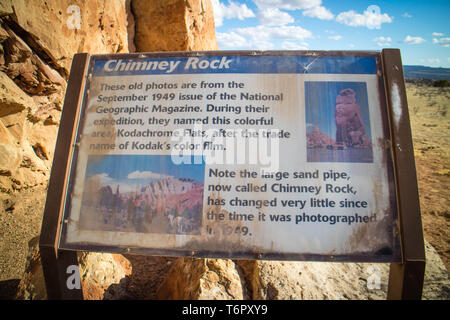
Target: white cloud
146, 175
288, 4
261, 44
230, 40
260, 37
434, 60
266, 33
336, 37
383, 41
371, 18
413, 40
274, 17
406, 15
351, 45
437, 34
312, 8
230, 11
102, 179
233, 40
319, 12
290, 45
444, 42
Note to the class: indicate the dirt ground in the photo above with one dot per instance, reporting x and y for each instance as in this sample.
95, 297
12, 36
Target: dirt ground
20, 221
430, 124
21, 213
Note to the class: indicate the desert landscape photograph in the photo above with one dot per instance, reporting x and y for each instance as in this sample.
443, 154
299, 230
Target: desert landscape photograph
147, 196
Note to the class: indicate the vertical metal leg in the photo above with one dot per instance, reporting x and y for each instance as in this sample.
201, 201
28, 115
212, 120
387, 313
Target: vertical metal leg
55, 265
55, 262
406, 280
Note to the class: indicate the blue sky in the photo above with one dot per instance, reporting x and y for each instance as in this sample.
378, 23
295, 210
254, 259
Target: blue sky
420, 29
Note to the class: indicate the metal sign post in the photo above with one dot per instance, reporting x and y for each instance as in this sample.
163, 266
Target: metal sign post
136, 166
54, 261
405, 278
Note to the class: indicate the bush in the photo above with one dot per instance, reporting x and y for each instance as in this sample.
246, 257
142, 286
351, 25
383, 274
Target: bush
441, 83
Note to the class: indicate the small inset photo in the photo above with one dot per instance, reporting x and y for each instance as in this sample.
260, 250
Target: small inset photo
337, 122
140, 193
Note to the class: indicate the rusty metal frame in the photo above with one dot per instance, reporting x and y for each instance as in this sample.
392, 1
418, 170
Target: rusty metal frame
406, 277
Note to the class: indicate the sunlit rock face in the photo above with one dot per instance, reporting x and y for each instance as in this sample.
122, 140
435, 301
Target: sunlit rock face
174, 25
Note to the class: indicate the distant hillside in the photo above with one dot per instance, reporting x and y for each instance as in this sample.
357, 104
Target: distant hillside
421, 72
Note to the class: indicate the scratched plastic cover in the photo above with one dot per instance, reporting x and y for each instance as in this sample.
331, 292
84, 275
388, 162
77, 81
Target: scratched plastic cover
260, 155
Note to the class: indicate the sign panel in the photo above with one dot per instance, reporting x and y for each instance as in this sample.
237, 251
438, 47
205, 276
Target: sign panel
279, 155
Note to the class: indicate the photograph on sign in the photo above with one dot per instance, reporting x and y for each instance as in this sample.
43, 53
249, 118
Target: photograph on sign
142, 194
337, 117
273, 156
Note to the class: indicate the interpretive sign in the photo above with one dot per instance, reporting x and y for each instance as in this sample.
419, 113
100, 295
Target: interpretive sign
280, 155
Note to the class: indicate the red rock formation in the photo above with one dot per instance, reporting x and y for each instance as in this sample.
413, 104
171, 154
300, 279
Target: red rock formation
350, 130
318, 139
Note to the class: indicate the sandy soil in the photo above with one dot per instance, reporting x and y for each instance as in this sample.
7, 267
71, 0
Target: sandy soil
430, 124
21, 213
20, 221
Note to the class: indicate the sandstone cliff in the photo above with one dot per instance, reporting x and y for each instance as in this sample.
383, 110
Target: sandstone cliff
174, 25
37, 42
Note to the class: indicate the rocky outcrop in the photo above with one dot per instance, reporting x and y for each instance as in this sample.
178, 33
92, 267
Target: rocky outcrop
317, 139
202, 279
32, 284
55, 30
350, 129
174, 25
172, 205
37, 42
287, 280
98, 272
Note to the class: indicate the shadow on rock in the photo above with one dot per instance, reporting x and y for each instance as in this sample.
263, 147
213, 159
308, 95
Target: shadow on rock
146, 276
8, 289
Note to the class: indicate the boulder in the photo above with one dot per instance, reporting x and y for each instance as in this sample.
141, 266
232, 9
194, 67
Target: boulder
350, 130
317, 139
98, 271
9, 154
32, 284
12, 98
174, 25
437, 283
289, 280
202, 279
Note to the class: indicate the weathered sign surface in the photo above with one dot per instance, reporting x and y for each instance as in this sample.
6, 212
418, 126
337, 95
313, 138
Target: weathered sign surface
279, 155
